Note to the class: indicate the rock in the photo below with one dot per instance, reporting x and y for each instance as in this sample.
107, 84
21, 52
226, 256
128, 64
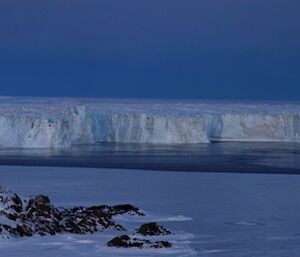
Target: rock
82, 220
153, 229
11, 207
42, 217
124, 208
161, 244
38, 216
124, 241
10, 204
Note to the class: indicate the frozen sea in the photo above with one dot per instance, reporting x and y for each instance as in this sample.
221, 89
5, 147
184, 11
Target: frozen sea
210, 214
224, 178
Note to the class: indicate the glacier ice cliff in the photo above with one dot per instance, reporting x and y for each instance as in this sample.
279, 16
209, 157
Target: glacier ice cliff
49, 122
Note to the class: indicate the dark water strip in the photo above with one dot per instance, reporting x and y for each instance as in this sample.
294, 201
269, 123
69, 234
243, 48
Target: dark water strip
260, 157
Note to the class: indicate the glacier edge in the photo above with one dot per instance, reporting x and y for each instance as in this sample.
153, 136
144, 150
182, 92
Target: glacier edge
43, 123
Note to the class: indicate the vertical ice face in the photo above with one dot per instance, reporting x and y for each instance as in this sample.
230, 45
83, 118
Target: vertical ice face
22, 129
119, 127
255, 127
145, 128
62, 123
79, 126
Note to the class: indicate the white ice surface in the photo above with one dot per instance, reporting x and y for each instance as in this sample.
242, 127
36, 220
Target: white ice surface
211, 215
49, 122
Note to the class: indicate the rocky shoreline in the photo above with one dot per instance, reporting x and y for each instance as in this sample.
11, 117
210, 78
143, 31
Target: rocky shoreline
37, 216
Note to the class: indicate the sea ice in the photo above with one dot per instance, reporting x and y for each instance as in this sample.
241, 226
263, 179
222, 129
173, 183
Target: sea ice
245, 215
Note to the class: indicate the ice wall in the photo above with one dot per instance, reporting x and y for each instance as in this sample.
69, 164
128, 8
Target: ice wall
61, 123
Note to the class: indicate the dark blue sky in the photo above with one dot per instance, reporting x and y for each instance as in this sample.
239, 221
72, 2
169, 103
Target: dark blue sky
211, 49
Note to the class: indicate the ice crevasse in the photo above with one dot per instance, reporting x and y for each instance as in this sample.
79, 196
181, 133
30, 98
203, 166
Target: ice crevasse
47, 122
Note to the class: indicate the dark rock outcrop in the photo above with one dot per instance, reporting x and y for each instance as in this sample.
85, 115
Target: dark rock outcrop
125, 241
38, 216
153, 229
41, 217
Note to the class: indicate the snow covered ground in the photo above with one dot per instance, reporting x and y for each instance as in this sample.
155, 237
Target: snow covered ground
228, 215
50, 122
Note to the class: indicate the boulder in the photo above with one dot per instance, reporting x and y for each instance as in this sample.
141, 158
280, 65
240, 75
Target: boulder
153, 229
124, 241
